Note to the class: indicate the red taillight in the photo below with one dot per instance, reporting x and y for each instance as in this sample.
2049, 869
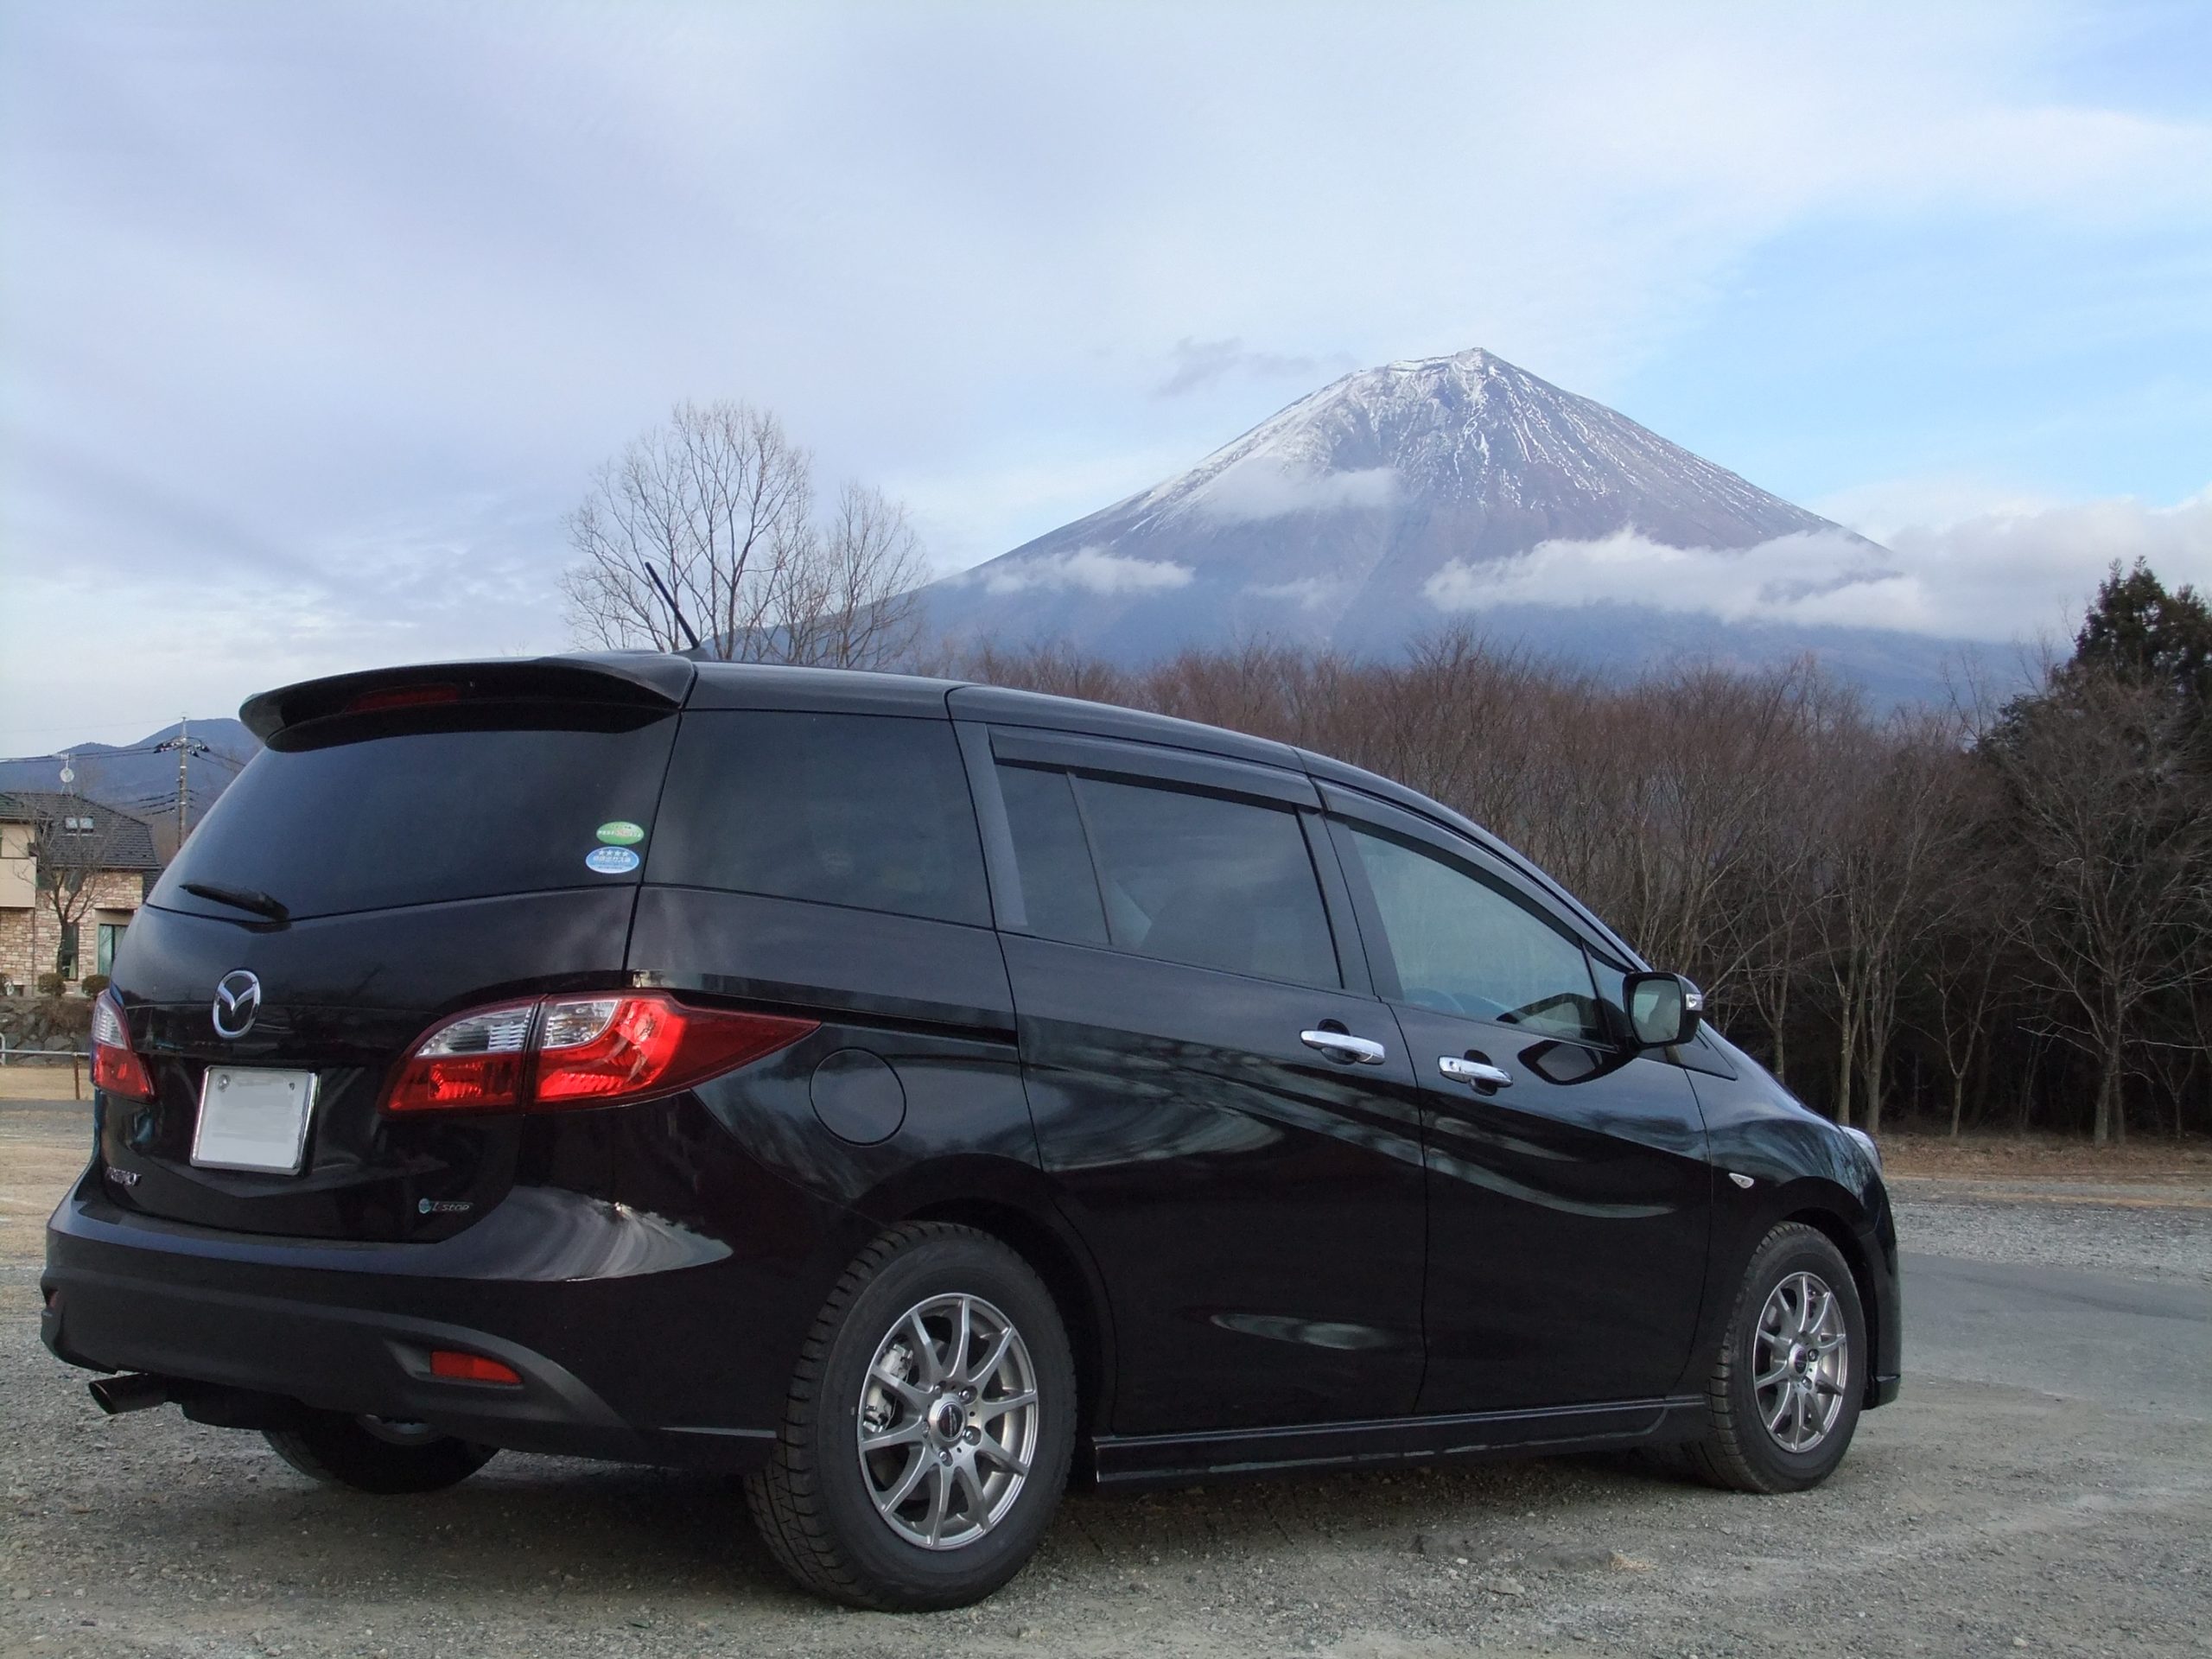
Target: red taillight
402, 697
457, 1367
115, 1065
474, 1060
562, 1051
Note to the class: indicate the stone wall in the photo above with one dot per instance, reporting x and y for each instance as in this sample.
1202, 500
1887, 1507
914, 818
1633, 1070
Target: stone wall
28, 935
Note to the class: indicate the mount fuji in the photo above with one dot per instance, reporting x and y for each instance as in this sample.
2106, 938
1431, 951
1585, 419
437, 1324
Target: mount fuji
1447, 491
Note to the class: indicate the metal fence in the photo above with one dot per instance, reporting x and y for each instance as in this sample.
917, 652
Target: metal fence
77, 1058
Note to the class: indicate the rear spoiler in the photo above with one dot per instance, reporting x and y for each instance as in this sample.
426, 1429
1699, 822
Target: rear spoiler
645, 678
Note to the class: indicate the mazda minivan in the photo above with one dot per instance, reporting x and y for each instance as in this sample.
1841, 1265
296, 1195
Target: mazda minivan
915, 1098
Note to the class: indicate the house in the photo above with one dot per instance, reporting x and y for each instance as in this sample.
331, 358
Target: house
100, 861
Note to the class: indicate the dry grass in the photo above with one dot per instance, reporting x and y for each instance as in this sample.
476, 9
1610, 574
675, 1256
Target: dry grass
2049, 1158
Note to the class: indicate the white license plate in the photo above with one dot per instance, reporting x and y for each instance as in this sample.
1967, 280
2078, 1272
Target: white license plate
253, 1119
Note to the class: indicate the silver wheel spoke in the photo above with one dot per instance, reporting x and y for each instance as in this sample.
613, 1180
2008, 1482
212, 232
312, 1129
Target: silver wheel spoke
964, 1332
904, 1435
1768, 1379
992, 1360
987, 1447
940, 1489
979, 1507
898, 1494
987, 1411
898, 1385
925, 1351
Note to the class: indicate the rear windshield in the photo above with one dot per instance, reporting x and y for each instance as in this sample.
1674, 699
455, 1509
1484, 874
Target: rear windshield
367, 813
862, 809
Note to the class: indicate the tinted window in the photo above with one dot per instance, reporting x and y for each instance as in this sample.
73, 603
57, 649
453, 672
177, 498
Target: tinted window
366, 813
1207, 880
1463, 946
859, 810
1060, 891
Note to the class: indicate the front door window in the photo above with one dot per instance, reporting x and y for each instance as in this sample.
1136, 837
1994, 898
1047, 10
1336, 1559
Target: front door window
1463, 946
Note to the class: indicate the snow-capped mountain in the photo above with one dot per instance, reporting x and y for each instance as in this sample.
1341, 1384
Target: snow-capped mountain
1428, 492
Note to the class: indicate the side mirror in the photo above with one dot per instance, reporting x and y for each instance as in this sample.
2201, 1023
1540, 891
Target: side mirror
1663, 1009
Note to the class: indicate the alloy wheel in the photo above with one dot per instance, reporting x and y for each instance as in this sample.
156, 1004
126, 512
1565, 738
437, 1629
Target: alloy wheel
1800, 1361
948, 1421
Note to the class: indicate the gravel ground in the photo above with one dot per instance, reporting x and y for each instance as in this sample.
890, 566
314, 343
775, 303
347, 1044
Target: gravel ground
2134, 1231
1969, 1520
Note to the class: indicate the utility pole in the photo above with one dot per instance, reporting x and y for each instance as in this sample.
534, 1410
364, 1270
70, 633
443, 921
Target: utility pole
186, 747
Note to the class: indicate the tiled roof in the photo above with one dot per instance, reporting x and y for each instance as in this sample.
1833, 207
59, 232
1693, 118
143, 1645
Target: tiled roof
122, 842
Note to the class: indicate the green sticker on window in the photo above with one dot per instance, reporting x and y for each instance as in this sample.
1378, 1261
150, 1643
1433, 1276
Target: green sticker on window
622, 833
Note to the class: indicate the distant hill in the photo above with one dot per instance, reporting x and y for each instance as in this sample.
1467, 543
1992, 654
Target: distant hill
137, 778
1444, 490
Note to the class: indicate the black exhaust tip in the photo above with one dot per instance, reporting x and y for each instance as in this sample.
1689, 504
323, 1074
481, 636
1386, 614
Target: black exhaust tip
137, 1391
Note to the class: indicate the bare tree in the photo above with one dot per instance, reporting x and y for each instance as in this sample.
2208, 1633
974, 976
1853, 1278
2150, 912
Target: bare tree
709, 521
2120, 849
73, 842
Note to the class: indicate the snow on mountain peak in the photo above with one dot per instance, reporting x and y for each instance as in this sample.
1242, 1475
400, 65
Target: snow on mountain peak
1336, 517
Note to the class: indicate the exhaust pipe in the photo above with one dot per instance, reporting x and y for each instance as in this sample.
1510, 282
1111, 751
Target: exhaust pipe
134, 1391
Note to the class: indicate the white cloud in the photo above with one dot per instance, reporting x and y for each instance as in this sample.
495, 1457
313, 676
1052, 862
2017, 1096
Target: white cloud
1087, 570
1262, 487
2012, 575
1308, 593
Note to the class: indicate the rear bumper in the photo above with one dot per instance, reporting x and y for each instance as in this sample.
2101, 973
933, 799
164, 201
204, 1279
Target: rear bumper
632, 1344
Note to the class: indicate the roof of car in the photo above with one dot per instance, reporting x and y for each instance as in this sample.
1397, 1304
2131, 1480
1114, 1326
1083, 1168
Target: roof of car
674, 681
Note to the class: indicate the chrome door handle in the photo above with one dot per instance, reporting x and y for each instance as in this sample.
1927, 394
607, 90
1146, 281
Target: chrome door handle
1481, 1071
1342, 1045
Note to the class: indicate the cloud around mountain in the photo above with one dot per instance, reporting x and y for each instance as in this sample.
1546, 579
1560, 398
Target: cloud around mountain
2014, 574
1085, 570
1259, 487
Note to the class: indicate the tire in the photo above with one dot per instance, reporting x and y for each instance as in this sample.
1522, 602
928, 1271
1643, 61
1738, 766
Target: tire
372, 1455
1790, 1433
833, 1514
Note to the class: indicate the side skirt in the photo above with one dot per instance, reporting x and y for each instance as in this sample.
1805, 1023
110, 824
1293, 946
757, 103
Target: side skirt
1154, 1460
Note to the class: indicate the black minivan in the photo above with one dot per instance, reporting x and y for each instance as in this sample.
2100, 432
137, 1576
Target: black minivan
913, 1095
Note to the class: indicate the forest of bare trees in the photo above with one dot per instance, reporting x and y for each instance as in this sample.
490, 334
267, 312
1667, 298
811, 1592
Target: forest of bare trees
1986, 916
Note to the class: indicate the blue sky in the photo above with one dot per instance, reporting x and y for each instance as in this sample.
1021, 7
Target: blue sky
314, 320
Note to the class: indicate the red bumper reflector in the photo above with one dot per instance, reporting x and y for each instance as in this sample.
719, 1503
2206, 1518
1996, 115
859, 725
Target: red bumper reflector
457, 1367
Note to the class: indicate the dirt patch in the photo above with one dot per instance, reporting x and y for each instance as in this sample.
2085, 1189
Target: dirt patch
45, 1080
2049, 1158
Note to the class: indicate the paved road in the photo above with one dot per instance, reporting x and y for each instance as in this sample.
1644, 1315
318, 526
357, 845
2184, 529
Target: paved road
2124, 1342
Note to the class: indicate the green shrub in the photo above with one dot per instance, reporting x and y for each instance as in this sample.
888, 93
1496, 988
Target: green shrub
92, 984
51, 984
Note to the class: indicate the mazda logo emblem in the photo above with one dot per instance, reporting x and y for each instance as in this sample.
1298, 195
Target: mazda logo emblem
238, 999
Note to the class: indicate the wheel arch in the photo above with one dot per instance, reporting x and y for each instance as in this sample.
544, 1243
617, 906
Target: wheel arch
1064, 1265
1840, 1233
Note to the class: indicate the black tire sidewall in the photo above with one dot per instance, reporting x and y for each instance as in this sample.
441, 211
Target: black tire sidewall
1794, 1250
974, 1266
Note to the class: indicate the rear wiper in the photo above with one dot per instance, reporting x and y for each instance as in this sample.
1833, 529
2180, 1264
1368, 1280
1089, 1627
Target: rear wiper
251, 898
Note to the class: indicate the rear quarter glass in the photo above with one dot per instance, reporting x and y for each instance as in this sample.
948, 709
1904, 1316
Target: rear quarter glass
868, 810
369, 813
